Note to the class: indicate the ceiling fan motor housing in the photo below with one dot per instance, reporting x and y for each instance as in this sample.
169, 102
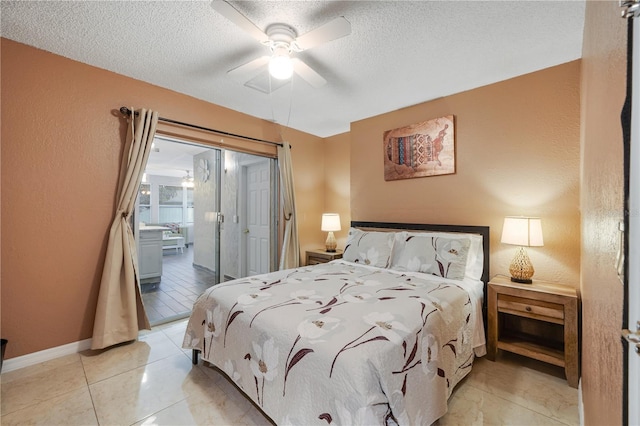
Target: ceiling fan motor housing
281, 36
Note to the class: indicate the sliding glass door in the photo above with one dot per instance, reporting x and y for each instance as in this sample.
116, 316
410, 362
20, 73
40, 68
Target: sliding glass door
206, 210
632, 292
204, 216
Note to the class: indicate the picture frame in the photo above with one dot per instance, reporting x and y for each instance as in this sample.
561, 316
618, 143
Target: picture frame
422, 149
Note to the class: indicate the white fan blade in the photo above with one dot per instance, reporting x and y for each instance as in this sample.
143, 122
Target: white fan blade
307, 74
332, 30
229, 12
249, 70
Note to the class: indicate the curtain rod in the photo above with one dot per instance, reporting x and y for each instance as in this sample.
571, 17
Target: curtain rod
127, 111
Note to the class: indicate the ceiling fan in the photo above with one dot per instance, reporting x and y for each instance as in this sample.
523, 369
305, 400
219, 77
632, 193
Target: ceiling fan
282, 41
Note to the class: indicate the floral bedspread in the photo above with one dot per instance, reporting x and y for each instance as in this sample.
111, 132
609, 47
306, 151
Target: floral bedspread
339, 343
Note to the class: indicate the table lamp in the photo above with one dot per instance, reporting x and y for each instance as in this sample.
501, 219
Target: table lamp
523, 232
330, 223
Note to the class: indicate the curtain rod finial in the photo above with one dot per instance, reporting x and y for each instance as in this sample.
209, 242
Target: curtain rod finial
125, 111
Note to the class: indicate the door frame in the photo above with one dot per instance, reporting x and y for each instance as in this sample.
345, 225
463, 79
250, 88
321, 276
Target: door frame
243, 211
631, 306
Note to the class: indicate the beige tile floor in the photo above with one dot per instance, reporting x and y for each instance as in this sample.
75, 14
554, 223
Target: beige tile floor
152, 382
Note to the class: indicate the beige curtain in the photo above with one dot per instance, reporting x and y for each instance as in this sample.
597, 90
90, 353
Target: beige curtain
120, 312
290, 256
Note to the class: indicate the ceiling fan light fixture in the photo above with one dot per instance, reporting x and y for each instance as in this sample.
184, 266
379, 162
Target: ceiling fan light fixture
280, 65
187, 181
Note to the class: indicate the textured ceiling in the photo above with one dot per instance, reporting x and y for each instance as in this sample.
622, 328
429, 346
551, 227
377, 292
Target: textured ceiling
399, 53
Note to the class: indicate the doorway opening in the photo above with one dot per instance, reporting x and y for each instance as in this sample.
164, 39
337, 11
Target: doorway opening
193, 221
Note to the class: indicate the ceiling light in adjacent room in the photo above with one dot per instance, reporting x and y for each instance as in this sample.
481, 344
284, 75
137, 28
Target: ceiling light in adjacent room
187, 181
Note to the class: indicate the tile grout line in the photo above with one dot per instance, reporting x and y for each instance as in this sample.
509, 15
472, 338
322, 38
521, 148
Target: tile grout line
34, 403
519, 405
95, 411
93, 403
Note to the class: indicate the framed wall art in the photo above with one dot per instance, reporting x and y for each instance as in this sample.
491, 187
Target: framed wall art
422, 149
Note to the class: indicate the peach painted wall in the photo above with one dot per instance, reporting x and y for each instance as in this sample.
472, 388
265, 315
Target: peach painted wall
61, 149
603, 93
517, 153
308, 176
337, 190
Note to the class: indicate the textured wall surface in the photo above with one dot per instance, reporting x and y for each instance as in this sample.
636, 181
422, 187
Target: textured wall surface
517, 153
337, 189
603, 92
308, 161
62, 141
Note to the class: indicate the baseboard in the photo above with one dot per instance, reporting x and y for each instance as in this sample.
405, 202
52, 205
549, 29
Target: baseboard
204, 268
580, 404
45, 355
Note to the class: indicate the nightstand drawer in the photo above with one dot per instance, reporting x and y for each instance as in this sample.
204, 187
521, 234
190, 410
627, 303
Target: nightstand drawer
315, 257
537, 309
312, 260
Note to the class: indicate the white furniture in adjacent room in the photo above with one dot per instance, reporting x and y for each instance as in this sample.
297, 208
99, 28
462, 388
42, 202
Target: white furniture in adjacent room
150, 253
173, 242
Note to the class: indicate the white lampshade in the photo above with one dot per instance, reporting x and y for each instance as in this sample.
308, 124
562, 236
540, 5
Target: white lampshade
522, 231
330, 222
280, 65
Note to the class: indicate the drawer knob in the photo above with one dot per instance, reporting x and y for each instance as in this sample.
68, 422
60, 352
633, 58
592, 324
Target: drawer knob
528, 309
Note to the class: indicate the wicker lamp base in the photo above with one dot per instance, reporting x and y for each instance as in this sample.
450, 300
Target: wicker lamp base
521, 268
331, 243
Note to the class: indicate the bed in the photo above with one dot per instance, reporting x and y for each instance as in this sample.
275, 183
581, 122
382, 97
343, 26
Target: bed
381, 336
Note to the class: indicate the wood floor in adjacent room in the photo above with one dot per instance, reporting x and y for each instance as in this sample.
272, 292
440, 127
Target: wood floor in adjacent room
179, 287
152, 382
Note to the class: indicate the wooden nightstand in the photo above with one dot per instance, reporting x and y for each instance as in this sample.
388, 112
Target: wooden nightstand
538, 320
322, 256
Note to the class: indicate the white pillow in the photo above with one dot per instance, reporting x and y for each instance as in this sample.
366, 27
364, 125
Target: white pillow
475, 256
430, 253
475, 260
368, 247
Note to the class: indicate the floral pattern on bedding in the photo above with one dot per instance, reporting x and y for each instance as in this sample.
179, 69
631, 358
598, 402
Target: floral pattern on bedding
368, 247
339, 343
436, 255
